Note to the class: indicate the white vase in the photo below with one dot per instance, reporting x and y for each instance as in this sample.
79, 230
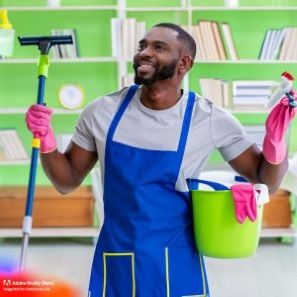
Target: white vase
53, 3
231, 3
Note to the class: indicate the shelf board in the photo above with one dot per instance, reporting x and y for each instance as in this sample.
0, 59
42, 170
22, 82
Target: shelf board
14, 162
62, 8
242, 8
246, 61
24, 110
278, 232
57, 61
246, 111
51, 232
172, 8
111, 59
93, 232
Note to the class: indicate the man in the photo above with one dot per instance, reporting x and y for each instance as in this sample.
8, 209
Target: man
149, 140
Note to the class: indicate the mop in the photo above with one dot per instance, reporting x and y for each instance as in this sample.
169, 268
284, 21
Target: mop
6, 35
44, 44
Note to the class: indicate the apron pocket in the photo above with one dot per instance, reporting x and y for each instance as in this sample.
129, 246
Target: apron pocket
118, 275
185, 273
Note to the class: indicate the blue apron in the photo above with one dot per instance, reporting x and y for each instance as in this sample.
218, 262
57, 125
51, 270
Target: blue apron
146, 246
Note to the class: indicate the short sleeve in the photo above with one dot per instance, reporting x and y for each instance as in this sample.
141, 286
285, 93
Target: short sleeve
228, 134
83, 135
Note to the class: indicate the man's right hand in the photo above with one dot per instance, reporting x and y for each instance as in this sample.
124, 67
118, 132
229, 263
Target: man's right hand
38, 119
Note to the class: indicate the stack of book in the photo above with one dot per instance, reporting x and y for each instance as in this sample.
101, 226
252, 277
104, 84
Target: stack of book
215, 90
214, 41
61, 51
279, 44
272, 44
252, 95
125, 34
11, 147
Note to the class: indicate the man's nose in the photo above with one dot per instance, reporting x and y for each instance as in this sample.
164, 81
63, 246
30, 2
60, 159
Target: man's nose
146, 52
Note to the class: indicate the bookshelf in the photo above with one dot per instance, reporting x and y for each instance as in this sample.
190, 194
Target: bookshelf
99, 73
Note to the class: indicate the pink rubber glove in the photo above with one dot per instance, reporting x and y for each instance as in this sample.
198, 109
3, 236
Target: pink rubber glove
245, 203
277, 122
38, 119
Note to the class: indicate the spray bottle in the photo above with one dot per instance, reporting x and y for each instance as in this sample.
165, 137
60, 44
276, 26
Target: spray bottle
6, 35
285, 88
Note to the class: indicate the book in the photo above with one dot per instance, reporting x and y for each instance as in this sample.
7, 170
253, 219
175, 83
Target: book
228, 41
249, 100
286, 46
265, 45
278, 44
125, 35
213, 90
201, 50
11, 146
116, 38
218, 41
65, 50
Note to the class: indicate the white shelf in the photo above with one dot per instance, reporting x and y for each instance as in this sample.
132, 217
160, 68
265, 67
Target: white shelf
247, 111
14, 162
278, 232
93, 232
172, 8
242, 8
57, 61
51, 232
57, 111
246, 61
62, 8
111, 59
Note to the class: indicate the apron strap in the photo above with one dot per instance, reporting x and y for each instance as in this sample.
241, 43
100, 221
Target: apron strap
185, 130
131, 92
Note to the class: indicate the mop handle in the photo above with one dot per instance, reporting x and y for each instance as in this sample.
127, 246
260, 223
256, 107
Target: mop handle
27, 223
42, 75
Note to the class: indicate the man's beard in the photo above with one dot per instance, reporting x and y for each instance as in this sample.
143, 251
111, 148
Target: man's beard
161, 73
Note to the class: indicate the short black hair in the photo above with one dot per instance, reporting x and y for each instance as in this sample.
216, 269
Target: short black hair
183, 36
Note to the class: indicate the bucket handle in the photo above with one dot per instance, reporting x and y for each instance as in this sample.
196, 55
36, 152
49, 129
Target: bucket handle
193, 184
261, 190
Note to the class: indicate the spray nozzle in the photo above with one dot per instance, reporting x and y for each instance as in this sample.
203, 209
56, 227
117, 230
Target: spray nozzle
5, 24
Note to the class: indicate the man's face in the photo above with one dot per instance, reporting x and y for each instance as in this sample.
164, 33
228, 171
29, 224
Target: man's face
157, 56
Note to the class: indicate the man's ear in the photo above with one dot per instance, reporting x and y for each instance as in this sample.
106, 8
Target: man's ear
185, 64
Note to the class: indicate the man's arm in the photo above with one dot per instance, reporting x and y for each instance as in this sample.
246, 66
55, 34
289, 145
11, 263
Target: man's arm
67, 171
252, 165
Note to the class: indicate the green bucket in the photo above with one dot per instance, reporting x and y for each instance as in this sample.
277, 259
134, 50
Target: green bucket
217, 232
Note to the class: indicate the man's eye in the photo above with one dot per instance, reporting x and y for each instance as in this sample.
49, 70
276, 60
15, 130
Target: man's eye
141, 47
159, 48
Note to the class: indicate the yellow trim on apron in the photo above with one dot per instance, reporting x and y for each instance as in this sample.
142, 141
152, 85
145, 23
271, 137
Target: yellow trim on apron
132, 266
167, 273
168, 278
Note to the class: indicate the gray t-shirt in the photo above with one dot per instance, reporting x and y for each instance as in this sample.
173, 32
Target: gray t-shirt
211, 128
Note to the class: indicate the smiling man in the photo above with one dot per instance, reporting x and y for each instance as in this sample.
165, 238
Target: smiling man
149, 139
